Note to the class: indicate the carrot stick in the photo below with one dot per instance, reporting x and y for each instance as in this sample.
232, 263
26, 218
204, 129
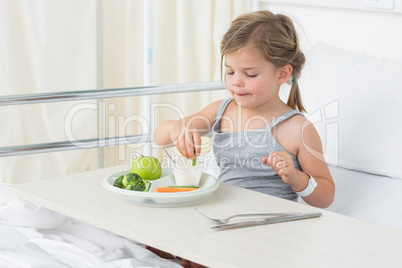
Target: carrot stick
173, 190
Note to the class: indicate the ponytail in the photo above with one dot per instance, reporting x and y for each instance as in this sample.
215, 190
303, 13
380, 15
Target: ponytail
294, 99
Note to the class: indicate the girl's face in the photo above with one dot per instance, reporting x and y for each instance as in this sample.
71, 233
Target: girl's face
251, 79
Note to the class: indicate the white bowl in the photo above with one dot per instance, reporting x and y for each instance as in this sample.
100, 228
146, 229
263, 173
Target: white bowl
208, 185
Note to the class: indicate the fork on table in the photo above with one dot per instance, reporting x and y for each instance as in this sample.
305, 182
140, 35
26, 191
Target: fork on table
223, 221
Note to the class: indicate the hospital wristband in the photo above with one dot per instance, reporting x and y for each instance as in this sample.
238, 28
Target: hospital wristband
310, 187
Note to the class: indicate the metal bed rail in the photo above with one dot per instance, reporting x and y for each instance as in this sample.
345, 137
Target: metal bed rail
93, 94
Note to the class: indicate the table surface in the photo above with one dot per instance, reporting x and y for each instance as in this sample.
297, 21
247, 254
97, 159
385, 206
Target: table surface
332, 240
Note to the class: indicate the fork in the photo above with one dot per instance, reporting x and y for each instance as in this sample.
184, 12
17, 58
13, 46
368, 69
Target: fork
223, 221
174, 162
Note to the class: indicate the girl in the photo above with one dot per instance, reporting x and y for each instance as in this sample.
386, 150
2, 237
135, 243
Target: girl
260, 142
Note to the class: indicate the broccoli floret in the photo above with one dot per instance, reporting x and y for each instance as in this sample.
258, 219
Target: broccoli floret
133, 182
119, 182
131, 179
147, 185
136, 187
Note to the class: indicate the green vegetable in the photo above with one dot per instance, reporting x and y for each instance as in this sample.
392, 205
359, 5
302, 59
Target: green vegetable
119, 182
147, 186
135, 187
131, 179
185, 186
195, 159
133, 182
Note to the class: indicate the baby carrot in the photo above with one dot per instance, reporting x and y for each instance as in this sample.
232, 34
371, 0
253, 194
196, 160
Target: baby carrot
184, 186
173, 190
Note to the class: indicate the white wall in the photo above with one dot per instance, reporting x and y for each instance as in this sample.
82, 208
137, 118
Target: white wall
359, 29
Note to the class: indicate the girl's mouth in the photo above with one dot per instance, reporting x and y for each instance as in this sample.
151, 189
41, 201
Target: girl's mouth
240, 95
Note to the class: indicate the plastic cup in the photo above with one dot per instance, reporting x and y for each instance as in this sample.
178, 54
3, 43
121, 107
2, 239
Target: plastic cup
187, 175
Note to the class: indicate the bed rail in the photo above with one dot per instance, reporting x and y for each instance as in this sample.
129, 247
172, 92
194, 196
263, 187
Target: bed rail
107, 93
93, 94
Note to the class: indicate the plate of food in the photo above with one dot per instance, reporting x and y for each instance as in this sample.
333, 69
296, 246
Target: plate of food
159, 191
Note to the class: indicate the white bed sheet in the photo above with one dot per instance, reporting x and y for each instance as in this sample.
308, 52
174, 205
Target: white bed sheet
366, 196
33, 236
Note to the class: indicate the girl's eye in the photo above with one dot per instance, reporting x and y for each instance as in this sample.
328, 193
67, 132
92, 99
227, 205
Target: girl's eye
248, 75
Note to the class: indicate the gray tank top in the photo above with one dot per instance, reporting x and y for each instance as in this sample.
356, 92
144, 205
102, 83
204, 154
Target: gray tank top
239, 154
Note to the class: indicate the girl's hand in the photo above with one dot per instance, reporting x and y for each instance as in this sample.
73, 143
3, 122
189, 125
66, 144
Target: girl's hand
187, 142
282, 163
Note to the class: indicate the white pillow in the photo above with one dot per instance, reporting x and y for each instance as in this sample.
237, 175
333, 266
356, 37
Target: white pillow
355, 102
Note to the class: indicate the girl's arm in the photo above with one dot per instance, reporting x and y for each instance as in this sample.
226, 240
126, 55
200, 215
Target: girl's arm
185, 133
311, 160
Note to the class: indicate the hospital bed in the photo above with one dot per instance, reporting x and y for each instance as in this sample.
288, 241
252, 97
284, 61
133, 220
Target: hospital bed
364, 162
353, 98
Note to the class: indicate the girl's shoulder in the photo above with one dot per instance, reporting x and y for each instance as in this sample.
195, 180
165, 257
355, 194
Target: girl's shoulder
214, 106
294, 124
217, 108
210, 111
294, 131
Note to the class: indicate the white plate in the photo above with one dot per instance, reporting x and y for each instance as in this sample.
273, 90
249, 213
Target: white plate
208, 186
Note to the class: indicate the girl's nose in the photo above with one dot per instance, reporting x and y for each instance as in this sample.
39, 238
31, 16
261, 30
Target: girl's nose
237, 80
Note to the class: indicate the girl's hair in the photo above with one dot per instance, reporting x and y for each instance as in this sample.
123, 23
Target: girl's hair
275, 36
